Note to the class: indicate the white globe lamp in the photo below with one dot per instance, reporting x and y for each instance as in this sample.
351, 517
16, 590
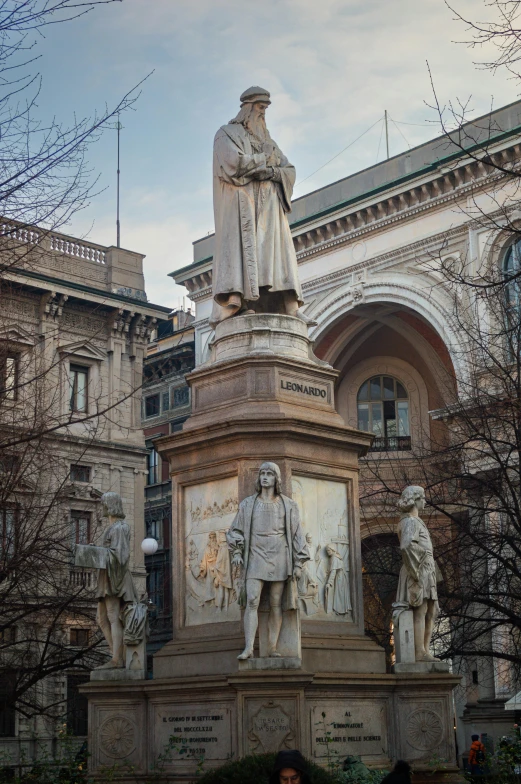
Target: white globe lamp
149, 546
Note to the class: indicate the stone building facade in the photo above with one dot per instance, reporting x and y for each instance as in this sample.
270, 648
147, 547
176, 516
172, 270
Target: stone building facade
75, 324
383, 316
166, 405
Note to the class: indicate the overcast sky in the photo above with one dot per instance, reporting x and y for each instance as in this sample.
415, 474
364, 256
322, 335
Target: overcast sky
332, 67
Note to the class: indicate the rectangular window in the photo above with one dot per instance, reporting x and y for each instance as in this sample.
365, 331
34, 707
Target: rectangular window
403, 417
80, 473
77, 705
8, 635
181, 396
152, 405
7, 531
9, 372
79, 637
80, 527
363, 416
390, 418
377, 419
153, 464
78, 381
7, 712
166, 401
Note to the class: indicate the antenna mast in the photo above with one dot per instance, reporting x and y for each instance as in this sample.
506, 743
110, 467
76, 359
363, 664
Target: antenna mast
386, 134
118, 225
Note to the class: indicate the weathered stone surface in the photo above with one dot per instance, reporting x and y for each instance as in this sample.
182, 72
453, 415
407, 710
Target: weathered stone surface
268, 663
434, 666
262, 334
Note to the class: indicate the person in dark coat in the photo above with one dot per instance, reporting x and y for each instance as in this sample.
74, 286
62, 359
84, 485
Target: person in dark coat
290, 768
400, 774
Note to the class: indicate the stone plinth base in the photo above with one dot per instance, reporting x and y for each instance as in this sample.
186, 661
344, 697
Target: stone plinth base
262, 334
380, 717
421, 667
271, 663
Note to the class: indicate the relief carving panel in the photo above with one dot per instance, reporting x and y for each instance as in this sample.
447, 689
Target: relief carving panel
211, 581
324, 587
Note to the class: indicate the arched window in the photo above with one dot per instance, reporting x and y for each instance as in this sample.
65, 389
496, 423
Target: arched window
383, 409
511, 268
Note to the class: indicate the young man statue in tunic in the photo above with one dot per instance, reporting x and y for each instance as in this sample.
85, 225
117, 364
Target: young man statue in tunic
254, 262
267, 541
418, 575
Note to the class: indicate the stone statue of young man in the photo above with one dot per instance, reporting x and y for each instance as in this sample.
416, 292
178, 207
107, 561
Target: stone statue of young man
254, 262
418, 578
267, 540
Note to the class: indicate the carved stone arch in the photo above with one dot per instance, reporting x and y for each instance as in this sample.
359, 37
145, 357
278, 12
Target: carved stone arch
433, 305
346, 395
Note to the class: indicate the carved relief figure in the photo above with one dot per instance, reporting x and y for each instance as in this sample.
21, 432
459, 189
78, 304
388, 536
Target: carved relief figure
418, 575
307, 585
207, 567
223, 573
337, 597
255, 265
116, 592
267, 540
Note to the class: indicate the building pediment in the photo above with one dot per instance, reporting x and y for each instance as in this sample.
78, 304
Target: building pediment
84, 349
16, 335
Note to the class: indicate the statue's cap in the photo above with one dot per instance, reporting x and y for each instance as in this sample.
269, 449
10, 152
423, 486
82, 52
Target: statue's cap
253, 94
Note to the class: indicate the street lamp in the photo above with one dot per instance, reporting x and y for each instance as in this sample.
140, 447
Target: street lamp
149, 546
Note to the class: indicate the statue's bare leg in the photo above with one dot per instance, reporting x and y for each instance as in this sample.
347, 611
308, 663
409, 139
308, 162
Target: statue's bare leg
419, 614
113, 605
251, 616
430, 620
104, 623
275, 617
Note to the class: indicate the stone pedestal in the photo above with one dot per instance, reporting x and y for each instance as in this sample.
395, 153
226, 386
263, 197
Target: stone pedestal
263, 396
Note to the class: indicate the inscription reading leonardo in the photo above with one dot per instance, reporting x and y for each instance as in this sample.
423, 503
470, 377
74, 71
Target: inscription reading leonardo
293, 386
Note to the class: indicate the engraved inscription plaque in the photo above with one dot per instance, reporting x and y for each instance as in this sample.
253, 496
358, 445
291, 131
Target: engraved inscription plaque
352, 727
194, 732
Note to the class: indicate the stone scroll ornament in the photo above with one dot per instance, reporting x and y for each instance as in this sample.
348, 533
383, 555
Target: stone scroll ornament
419, 574
254, 262
121, 615
267, 541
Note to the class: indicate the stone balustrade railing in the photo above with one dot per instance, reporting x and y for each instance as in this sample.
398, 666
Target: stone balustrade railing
80, 250
57, 243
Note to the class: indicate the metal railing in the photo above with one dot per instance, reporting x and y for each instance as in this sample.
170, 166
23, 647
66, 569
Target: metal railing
391, 444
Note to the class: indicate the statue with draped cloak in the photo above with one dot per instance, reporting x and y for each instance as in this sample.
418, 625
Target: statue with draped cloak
254, 263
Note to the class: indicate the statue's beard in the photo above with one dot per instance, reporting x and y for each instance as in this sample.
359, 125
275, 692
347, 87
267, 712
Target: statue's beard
257, 126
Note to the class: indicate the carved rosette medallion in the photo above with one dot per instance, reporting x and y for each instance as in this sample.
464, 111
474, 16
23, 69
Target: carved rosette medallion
424, 730
271, 729
117, 737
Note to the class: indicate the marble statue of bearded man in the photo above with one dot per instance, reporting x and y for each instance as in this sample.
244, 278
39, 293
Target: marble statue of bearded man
254, 264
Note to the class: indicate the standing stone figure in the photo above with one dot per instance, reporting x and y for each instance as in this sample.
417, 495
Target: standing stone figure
418, 579
267, 540
119, 611
255, 265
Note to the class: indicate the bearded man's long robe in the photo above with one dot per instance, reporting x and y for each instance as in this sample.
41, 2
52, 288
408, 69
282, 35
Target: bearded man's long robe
253, 243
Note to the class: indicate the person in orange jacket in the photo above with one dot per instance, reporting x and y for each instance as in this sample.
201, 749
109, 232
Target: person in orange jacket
477, 757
